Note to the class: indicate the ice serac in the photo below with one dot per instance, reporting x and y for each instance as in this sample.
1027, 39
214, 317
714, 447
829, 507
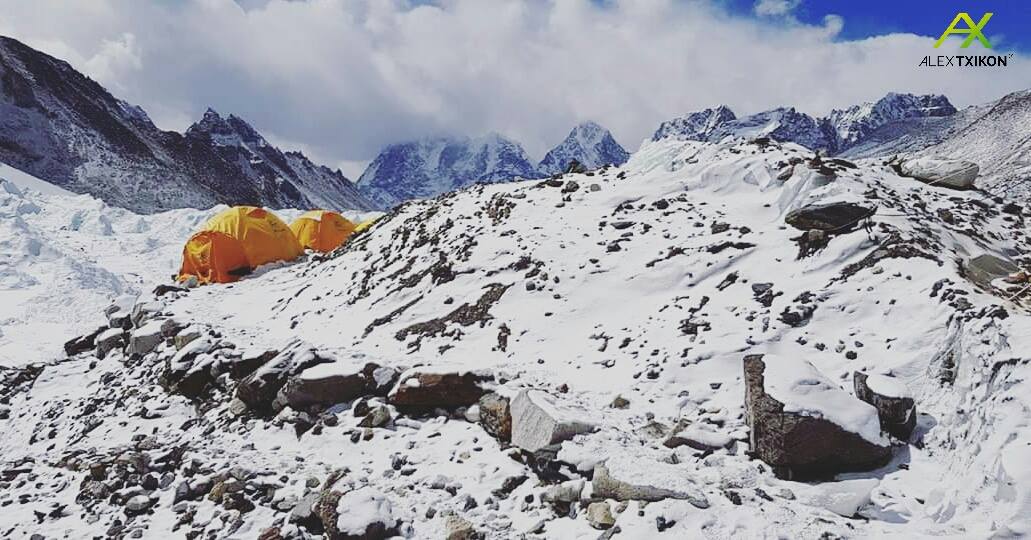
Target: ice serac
803, 425
61, 126
589, 144
425, 168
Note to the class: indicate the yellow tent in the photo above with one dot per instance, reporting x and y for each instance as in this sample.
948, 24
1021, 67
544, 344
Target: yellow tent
321, 230
365, 225
234, 242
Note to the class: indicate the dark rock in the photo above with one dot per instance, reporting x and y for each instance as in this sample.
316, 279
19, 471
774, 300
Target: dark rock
259, 389
832, 217
304, 390
798, 446
422, 390
897, 413
984, 269
83, 343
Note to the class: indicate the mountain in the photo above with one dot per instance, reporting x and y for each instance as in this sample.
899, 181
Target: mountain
855, 124
428, 167
604, 319
695, 126
63, 127
835, 133
589, 144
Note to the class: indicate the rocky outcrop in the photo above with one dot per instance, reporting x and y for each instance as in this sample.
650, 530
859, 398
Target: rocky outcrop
808, 438
893, 400
538, 422
259, 389
325, 384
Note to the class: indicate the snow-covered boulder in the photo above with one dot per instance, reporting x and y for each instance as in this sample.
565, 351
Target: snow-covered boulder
805, 426
325, 384
986, 268
834, 217
108, 340
260, 388
146, 338
538, 422
495, 416
427, 388
893, 400
951, 173
365, 513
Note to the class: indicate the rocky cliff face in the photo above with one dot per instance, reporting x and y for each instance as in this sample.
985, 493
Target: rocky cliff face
63, 127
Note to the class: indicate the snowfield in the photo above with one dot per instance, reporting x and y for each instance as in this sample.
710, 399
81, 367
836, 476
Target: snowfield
630, 295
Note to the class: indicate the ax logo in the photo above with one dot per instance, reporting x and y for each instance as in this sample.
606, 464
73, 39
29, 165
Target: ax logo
972, 30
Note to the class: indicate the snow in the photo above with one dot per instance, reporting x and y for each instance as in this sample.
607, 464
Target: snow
658, 322
65, 257
363, 507
888, 386
805, 391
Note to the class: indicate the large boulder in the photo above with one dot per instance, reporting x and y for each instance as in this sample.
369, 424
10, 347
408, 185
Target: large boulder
984, 269
893, 400
803, 425
538, 422
950, 173
259, 389
837, 217
425, 388
325, 384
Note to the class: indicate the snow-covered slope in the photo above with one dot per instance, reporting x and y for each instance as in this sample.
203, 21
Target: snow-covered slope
428, 167
65, 257
648, 282
589, 144
63, 127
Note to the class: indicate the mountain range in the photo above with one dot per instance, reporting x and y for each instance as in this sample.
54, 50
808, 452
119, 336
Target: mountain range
63, 127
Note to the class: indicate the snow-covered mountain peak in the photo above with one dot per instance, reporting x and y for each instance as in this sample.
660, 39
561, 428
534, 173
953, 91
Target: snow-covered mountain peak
695, 126
589, 144
855, 124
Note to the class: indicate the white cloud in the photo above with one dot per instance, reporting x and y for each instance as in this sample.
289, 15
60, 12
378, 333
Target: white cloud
775, 8
345, 77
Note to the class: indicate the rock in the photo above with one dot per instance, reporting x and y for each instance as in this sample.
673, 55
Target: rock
537, 422
145, 311
304, 511
108, 341
138, 505
627, 478
831, 218
984, 269
378, 417
187, 335
700, 436
382, 379
564, 492
259, 389
324, 384
362, 513
423, 389
83, 343
599, 515
495, 416
457, 528
163, 289
892, 399
146, 338
950, 173
812, 428
120, 319
620, 402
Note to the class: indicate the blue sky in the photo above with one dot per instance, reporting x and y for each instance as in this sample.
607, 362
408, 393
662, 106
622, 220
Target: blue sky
1009, 29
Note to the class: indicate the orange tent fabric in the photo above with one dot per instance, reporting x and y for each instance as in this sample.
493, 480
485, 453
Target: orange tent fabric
322, 230
258, 234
